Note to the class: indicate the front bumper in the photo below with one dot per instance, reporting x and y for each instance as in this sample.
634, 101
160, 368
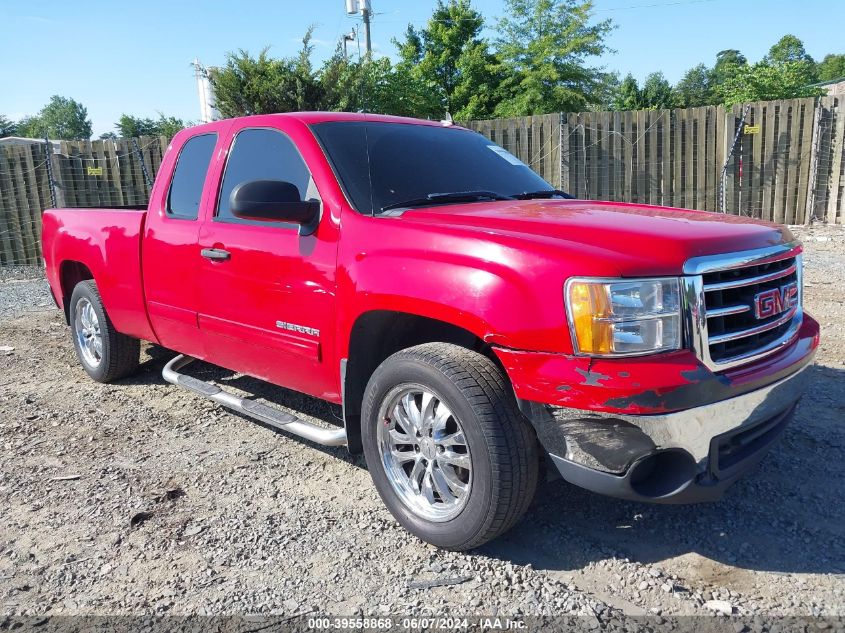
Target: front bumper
675, 455
683, 457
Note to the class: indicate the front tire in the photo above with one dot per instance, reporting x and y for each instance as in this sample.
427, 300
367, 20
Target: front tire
449, 452
104, 353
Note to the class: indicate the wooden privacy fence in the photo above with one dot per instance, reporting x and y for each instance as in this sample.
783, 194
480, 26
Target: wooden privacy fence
82, 173
776, 160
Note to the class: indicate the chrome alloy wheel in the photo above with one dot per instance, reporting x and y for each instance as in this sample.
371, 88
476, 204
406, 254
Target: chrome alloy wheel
424, 453
86, 328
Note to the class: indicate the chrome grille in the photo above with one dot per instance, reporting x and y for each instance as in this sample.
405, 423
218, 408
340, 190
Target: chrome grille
732, 326
726, 328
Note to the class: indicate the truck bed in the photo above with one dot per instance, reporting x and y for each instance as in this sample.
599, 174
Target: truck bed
104, 243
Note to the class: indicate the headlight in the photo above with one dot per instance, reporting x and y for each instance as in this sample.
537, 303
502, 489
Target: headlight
617, 318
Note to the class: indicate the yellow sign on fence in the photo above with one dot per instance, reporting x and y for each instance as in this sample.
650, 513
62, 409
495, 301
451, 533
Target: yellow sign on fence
752, 129
95, 171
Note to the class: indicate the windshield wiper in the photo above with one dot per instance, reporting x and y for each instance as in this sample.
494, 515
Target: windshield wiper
447, 198
545, 193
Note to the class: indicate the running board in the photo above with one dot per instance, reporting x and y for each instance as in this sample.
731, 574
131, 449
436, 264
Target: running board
261, 412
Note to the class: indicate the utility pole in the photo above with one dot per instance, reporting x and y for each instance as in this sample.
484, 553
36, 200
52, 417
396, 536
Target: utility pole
365, 14
362, 6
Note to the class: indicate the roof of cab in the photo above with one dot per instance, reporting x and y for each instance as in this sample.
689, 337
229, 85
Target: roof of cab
310, 118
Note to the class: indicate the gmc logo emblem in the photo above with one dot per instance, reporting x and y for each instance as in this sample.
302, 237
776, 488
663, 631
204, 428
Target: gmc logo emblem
772, 302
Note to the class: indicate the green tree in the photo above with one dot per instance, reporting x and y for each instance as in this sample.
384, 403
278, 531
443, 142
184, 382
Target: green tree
729, 64
545, 46
62, 118
605, 94
695, 88
263, 85
372, 85
831, 67
657, 92
729, 57
29, 127
7, 127
449, 56
790, 50
169, 125
129, 126
767, 82
627, 96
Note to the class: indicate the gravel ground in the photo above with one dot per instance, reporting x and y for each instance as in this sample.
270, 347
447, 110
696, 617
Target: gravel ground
138, 498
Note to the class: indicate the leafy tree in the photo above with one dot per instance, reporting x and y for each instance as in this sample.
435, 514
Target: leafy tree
249, 85
729, 57
605, 93
169, 125
831, 67
29, 127
788, 49
62, 118
449, 56
766, 82
372, 85
7, 127
130, 126
627, 96
728, 65
656, 92
695, 88
108, 136
545, 45
727, 62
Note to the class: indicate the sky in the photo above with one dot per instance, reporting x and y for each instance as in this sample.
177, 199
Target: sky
135, 57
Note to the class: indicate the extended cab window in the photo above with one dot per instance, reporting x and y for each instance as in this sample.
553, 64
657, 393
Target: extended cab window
183, 200
263, 154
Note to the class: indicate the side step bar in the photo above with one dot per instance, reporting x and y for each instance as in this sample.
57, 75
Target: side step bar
261, 412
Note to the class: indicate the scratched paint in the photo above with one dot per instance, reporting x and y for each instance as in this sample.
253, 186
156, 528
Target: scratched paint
592, 378
702, 386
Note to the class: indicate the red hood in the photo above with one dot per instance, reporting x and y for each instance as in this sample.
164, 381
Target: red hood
638, 239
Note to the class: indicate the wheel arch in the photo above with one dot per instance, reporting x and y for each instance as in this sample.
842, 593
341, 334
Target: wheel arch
377, 334
70, 274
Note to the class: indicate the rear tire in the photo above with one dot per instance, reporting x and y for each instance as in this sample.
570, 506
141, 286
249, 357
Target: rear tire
104, 353
449, 452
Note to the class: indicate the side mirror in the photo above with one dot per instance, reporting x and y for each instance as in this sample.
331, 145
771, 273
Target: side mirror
274, 201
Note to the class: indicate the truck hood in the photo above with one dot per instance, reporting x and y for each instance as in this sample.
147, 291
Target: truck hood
637, 239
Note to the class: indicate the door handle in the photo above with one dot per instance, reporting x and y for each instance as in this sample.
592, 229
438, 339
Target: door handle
215, 254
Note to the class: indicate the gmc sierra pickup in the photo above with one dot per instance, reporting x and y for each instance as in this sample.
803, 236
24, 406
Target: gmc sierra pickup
477, 326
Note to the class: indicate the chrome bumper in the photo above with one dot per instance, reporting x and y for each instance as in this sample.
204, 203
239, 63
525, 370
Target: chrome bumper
687, 456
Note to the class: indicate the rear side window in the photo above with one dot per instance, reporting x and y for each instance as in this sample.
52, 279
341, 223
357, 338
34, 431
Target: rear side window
263, 154
183, 201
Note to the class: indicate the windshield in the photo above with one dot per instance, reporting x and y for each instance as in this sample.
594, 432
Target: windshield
383, 165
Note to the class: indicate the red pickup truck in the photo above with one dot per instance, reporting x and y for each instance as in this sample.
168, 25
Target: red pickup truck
477, 326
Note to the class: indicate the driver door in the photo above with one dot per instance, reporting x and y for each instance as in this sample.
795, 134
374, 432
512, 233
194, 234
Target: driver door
266, 293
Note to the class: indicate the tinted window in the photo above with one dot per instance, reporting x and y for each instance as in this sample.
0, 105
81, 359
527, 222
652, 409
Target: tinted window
183, 201
263, 155
381, 164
